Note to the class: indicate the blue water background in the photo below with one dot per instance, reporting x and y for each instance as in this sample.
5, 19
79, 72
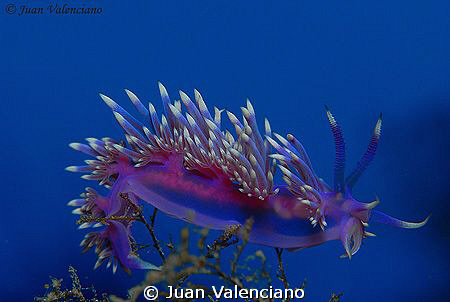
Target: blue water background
290, 58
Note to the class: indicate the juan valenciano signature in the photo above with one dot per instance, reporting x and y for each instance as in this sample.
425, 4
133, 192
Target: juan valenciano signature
236, 293
56, 9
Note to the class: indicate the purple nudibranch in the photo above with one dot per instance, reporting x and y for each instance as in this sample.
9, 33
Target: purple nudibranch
185, 165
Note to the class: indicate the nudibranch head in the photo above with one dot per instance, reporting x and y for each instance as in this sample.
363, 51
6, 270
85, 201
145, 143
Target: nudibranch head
353, 215
350, 216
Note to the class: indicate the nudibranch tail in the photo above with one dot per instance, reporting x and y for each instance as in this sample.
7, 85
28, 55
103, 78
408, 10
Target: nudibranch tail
114, 241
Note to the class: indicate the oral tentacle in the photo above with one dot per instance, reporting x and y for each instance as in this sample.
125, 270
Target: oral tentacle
351, 236
381, 217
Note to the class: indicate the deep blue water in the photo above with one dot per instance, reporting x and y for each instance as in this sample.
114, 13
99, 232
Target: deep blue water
291, 57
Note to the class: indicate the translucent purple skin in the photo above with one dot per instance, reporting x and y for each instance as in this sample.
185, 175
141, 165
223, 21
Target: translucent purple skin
216, 205
189, 168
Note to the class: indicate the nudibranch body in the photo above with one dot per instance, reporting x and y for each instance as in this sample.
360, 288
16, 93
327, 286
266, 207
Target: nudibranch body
188, 167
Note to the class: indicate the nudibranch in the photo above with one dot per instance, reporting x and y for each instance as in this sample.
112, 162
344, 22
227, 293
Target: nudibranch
185, 165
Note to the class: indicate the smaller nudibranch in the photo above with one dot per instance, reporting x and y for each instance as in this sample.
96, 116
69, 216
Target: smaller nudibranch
189, 168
